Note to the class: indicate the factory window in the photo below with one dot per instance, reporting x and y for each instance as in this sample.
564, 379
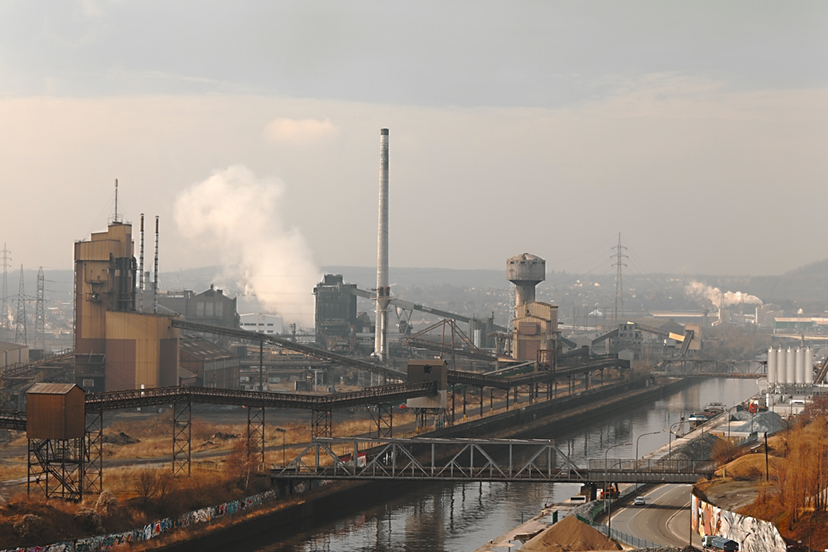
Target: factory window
208, 309
269, 324
219, 309
200, 308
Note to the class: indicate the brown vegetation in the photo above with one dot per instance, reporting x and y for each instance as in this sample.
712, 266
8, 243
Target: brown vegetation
794, 498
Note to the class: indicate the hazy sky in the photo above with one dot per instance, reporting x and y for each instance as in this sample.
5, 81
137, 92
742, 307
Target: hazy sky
698, 130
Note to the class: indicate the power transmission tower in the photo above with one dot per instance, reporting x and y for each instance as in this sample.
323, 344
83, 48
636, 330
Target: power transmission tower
20, 332
40, 312
5, 260
619, 286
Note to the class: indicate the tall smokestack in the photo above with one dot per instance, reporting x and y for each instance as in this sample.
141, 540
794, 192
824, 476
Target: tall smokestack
383, 291
141, 270
155, 272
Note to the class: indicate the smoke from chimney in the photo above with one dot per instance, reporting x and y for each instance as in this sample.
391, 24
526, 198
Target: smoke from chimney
235, 217
699, 291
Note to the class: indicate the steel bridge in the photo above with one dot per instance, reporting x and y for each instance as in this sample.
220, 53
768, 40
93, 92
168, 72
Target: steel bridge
508, 460
701, 368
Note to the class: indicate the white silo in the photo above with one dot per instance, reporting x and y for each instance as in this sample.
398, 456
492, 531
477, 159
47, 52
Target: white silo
790, 366
809, 365
781, 366
771, 366
800, 365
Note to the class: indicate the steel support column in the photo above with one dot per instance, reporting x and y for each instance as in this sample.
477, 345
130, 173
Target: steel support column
321, 423
481, 402
383, 420
93, 453
256, 433
182, 439
56, 467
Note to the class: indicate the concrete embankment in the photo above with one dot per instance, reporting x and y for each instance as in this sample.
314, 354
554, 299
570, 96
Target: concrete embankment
526, 421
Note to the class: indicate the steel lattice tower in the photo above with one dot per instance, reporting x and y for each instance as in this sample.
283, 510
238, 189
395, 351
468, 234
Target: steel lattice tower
20, 319
40, 312
619, 286
5, 260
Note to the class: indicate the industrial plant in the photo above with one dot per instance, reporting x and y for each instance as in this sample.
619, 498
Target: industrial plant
138, 346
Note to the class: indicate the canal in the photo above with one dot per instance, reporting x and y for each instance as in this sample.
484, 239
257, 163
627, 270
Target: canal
461, 517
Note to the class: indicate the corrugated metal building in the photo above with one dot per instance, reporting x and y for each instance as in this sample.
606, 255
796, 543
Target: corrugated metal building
55, 411
116, 347
13, 353
213, 366
535, 328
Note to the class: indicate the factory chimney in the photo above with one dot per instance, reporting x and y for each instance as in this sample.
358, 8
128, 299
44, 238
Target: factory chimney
155, 272
141, 270
383, 291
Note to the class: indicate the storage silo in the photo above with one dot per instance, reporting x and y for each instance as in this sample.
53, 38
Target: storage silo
809, 365
800, 365
781, 366
790, 366
771, 365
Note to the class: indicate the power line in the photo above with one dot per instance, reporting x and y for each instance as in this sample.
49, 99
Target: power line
619, 286
20, 330
5, 260
40, 312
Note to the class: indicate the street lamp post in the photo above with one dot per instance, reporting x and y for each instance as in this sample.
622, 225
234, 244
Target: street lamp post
636, 453
670, 438
606, 484
284, 453
639, 437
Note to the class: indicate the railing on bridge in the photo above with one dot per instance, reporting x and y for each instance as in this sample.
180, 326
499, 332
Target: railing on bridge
431, 459
648, 469
472, 460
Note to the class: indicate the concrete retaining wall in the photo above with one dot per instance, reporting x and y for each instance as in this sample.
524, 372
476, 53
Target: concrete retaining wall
753, 535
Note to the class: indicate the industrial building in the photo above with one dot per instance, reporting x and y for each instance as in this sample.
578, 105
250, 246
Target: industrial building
261, 323
535, 325
210, 364
336, 313
209, 307
12, 354
117, 347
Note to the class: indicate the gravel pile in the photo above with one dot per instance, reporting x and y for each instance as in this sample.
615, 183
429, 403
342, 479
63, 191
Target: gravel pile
763, 422
697, 449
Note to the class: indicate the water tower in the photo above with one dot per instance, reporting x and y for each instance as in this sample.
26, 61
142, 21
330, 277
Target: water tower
525, 271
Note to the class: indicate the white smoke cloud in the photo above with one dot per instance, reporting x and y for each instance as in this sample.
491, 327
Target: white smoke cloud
299, 131
237, 216
699, 291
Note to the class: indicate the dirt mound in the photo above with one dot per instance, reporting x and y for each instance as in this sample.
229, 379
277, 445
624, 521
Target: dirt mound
120, 439
570, 534
750, 466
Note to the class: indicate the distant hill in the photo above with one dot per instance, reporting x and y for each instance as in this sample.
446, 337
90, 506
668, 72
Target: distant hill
818, 268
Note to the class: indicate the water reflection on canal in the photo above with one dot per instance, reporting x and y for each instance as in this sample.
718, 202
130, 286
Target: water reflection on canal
462, 517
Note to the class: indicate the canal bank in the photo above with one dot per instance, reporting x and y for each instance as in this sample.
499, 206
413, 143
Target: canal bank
539, 418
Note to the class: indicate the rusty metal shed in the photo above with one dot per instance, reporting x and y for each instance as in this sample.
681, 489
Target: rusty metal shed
55, 411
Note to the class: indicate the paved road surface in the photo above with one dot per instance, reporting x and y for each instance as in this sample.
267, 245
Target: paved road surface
665, 519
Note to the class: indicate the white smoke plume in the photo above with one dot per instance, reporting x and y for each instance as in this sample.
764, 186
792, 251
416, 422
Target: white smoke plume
238, 216
699, 291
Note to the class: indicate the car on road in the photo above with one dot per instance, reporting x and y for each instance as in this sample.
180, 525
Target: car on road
639, 501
